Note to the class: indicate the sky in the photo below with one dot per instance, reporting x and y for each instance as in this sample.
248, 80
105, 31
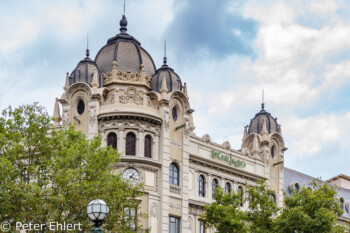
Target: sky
227, 52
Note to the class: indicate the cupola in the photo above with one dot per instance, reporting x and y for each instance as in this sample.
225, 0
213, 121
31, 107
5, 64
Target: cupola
173, 80
256, 124
85, 71
126, 51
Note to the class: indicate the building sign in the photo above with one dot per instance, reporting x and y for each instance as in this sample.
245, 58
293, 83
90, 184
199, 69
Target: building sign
228, 158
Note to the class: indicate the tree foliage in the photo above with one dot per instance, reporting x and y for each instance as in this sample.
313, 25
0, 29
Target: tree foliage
51, 175
311, 209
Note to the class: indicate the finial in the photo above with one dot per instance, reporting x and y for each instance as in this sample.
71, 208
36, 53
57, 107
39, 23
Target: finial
56, 113
123, 22
164, 58
66, 86
95, 80
255, 149
245, 132
185, 90
114, 64
262, 103
264, 128
164, 88
87, 45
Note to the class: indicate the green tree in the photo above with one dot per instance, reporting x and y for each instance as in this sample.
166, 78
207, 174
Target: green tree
51, 175
311, 209
225, 213
262, 208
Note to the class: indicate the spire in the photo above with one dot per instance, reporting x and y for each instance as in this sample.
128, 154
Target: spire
66, 86
56, 114
280, 129
264, 128
255, 148
164, 88
123, 22
87, 46
185, 90
262, 103
164, 58
245, 132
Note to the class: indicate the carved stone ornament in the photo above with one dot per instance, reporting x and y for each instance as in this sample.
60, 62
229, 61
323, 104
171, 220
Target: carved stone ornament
246, 152
179, 95
131, 95
76, 87
65, 117
226, 145
154, 210
166, 121
92, 115
119, 76
266, 155
129, 124
206, 138
152, 102
110, 99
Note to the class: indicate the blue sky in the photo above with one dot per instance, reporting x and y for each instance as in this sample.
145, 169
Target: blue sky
227, 51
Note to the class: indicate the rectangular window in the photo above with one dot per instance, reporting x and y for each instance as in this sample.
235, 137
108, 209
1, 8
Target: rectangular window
174, 225
201, 228
130, 217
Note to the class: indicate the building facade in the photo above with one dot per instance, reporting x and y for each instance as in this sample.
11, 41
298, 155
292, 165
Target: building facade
146, 114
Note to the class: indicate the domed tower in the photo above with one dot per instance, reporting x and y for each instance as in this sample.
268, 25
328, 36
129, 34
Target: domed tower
256, 124
172, 79
127, 52
263, 140
84, 72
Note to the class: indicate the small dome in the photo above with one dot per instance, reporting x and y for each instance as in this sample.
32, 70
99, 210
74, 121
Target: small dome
127, 51
256, 124
84, 71
173, 80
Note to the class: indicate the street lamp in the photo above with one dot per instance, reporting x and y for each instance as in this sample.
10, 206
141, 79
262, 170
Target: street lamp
97, 211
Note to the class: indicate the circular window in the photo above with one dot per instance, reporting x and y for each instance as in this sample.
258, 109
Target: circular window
273, 151
174, 113
81, 107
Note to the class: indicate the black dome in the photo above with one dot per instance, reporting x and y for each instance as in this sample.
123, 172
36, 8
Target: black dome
256, 124
127, 51
84, 72
173, 80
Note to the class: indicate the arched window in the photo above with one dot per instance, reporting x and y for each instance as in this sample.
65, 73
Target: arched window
342, 203
130, 145
148, 146
273, 151
174, 174
227, 187
215, 184
112, 140
201, 190
240, 191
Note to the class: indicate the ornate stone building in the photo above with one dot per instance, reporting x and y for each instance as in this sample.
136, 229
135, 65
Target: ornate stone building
145, 113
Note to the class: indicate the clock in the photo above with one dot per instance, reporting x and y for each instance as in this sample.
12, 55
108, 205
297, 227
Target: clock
131, 175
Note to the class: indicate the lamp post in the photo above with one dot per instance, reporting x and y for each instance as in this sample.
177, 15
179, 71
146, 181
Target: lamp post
97, 211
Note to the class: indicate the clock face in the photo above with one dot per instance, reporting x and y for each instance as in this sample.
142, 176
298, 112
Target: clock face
131, 175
